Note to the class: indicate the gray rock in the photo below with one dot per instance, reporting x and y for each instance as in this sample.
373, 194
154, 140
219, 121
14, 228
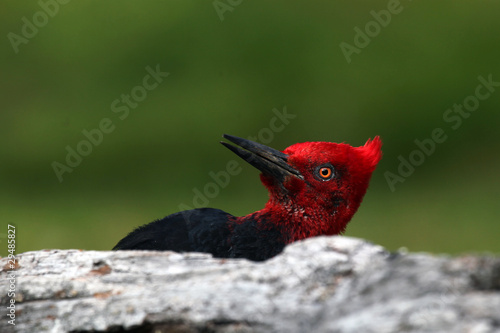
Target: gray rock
324, 284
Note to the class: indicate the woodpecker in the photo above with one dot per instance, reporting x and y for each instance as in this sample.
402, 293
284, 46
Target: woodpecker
314, 189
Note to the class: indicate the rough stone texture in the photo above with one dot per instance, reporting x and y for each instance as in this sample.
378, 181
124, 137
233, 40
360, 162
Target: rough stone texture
325, 284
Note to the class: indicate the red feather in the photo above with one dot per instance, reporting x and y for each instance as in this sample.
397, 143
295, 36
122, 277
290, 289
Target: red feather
313, 207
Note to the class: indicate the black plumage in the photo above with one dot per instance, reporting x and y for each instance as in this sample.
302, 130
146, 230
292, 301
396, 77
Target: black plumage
314, 189
208, 230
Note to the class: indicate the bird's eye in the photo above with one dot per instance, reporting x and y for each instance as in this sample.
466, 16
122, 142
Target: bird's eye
324, 172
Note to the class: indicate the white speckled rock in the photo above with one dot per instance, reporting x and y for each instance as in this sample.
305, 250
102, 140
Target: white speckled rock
324, 284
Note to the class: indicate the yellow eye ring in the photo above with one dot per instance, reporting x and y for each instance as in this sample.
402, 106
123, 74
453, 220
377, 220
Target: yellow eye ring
325, 172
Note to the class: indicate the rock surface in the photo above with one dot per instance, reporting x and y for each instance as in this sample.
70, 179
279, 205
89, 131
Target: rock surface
324, 284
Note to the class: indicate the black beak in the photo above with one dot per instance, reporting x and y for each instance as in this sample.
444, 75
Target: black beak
270, 161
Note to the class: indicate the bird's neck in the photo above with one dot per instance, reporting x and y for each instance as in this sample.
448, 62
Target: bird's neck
299, 222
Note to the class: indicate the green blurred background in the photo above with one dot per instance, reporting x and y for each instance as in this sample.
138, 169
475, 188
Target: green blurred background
226, 76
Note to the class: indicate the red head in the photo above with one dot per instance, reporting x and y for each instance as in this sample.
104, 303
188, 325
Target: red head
314, 187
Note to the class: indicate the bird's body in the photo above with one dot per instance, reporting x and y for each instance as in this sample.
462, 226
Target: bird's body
209, 230
314, 187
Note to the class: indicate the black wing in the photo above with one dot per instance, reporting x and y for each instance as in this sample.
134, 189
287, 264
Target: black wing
197, 230
256, 239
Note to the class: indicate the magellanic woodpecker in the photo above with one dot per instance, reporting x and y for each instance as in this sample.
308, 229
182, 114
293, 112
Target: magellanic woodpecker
314, 189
